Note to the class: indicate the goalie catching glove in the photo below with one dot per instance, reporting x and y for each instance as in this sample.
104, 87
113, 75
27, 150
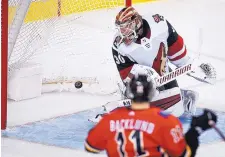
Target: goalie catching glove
204, 72
137, 70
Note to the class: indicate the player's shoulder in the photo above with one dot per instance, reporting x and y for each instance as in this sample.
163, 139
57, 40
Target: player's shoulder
164, 117
119, 110
154, 18
157, 22
115, 113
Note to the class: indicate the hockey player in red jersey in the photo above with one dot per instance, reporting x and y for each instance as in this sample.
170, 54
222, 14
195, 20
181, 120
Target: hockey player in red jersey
150, 41
143, 130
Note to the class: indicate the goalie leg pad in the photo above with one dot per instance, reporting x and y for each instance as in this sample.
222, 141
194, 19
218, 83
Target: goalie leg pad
170, 101
189, 99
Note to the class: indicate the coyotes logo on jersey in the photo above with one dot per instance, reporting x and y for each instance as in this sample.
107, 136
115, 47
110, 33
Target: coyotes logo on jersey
158, 18
160, 61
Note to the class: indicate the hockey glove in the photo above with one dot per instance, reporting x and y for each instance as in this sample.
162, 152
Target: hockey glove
198, 125
209, 70
204, 73
204, 121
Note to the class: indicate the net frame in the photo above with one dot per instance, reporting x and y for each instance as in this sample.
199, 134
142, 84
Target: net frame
4, 62
4, 56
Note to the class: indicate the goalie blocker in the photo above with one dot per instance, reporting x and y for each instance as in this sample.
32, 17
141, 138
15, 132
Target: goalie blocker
168, 95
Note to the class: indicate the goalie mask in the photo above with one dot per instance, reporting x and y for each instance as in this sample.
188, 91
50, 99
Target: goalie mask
128, 23
140, 89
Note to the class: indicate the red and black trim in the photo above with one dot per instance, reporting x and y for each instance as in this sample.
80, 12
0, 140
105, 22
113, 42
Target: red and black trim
123, 67
176, 46
125, 72
90, 148
162, 151
166, 102
173, 36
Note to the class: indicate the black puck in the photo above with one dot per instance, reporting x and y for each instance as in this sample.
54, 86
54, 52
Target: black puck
78, 84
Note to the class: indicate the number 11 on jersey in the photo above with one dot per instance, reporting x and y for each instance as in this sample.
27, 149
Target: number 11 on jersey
136, 138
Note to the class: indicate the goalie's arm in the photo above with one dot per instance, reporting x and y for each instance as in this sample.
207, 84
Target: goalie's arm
178, 55
123, 63
177, 52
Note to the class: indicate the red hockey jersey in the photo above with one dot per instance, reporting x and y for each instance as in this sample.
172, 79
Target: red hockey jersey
127, 132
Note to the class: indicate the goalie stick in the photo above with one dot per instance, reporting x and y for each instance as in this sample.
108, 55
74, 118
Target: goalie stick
173, 75
62, 79
199, 79
160, 81
186, 69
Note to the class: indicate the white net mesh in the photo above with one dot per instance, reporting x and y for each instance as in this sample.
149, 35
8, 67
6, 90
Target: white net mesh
64, 36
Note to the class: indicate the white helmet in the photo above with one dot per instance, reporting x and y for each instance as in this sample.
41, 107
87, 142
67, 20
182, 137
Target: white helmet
128, 22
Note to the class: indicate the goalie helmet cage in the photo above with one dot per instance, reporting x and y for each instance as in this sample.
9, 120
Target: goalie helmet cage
13, 17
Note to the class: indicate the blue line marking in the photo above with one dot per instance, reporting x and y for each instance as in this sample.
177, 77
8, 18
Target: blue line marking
70, 131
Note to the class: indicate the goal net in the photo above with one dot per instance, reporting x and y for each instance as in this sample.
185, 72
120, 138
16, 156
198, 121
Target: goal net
55, 42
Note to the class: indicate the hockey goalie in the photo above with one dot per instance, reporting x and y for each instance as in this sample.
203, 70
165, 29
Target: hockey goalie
147, 44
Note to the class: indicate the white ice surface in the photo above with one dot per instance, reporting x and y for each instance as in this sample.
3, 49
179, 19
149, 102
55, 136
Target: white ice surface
196, 20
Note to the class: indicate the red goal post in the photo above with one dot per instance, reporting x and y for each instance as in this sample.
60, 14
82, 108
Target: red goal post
4, 61
15, 14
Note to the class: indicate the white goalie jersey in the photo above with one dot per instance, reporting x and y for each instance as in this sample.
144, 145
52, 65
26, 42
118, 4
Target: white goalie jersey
158, 45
